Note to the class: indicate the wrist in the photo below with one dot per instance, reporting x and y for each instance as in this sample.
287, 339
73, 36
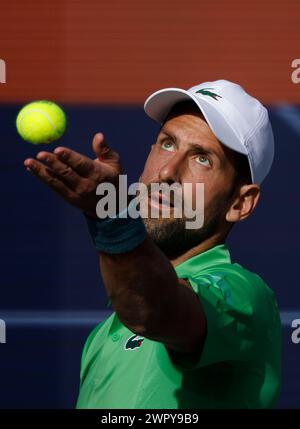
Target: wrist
118, 234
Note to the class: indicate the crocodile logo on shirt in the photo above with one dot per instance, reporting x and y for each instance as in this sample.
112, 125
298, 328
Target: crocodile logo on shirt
134, 342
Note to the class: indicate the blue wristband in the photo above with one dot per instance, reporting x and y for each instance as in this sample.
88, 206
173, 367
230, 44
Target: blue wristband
118, 234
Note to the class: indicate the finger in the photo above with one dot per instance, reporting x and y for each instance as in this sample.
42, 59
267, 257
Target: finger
48, 177
60, 168
83, 165
101, 149
98, 144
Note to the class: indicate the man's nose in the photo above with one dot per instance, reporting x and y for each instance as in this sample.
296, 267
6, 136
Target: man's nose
171, 170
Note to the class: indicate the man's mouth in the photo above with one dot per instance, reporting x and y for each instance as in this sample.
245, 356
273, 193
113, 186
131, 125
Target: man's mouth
159, 200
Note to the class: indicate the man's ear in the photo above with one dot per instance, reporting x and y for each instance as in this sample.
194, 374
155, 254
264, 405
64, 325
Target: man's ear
243, 203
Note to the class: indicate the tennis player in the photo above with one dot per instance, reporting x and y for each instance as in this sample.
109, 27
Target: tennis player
190, 328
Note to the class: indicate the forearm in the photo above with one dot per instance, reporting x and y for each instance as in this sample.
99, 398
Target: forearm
140, 284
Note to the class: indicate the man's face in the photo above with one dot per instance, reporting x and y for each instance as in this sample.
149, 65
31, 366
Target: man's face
187, 151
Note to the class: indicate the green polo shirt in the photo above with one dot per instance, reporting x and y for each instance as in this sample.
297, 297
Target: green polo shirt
239, 366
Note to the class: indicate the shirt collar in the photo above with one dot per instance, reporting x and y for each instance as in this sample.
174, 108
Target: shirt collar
214, 256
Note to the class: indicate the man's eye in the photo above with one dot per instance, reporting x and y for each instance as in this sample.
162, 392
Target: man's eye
167, 146
203, 160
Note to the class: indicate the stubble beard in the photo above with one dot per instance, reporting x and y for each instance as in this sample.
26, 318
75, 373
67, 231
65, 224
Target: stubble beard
174, 239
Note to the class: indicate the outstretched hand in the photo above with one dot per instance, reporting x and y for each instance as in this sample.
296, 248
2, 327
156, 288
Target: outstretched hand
74, 176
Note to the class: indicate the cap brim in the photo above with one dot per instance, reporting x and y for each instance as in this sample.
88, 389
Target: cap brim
159, 104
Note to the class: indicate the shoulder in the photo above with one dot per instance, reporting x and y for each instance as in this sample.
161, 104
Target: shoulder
233, 283
231, 293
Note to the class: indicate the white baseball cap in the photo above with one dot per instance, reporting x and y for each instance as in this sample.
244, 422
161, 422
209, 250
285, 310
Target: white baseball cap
238, 120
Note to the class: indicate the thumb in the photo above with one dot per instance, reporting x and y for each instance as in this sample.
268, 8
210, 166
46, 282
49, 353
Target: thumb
106, 155
101, 149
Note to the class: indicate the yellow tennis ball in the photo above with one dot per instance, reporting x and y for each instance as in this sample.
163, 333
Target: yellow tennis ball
41, 122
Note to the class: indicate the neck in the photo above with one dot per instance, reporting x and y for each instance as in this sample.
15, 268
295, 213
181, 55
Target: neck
202, 247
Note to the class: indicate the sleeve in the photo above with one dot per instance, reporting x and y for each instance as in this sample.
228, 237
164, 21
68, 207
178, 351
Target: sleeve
228, 301
83, 364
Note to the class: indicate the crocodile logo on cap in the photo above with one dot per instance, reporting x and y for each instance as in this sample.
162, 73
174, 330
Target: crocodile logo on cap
206, 91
